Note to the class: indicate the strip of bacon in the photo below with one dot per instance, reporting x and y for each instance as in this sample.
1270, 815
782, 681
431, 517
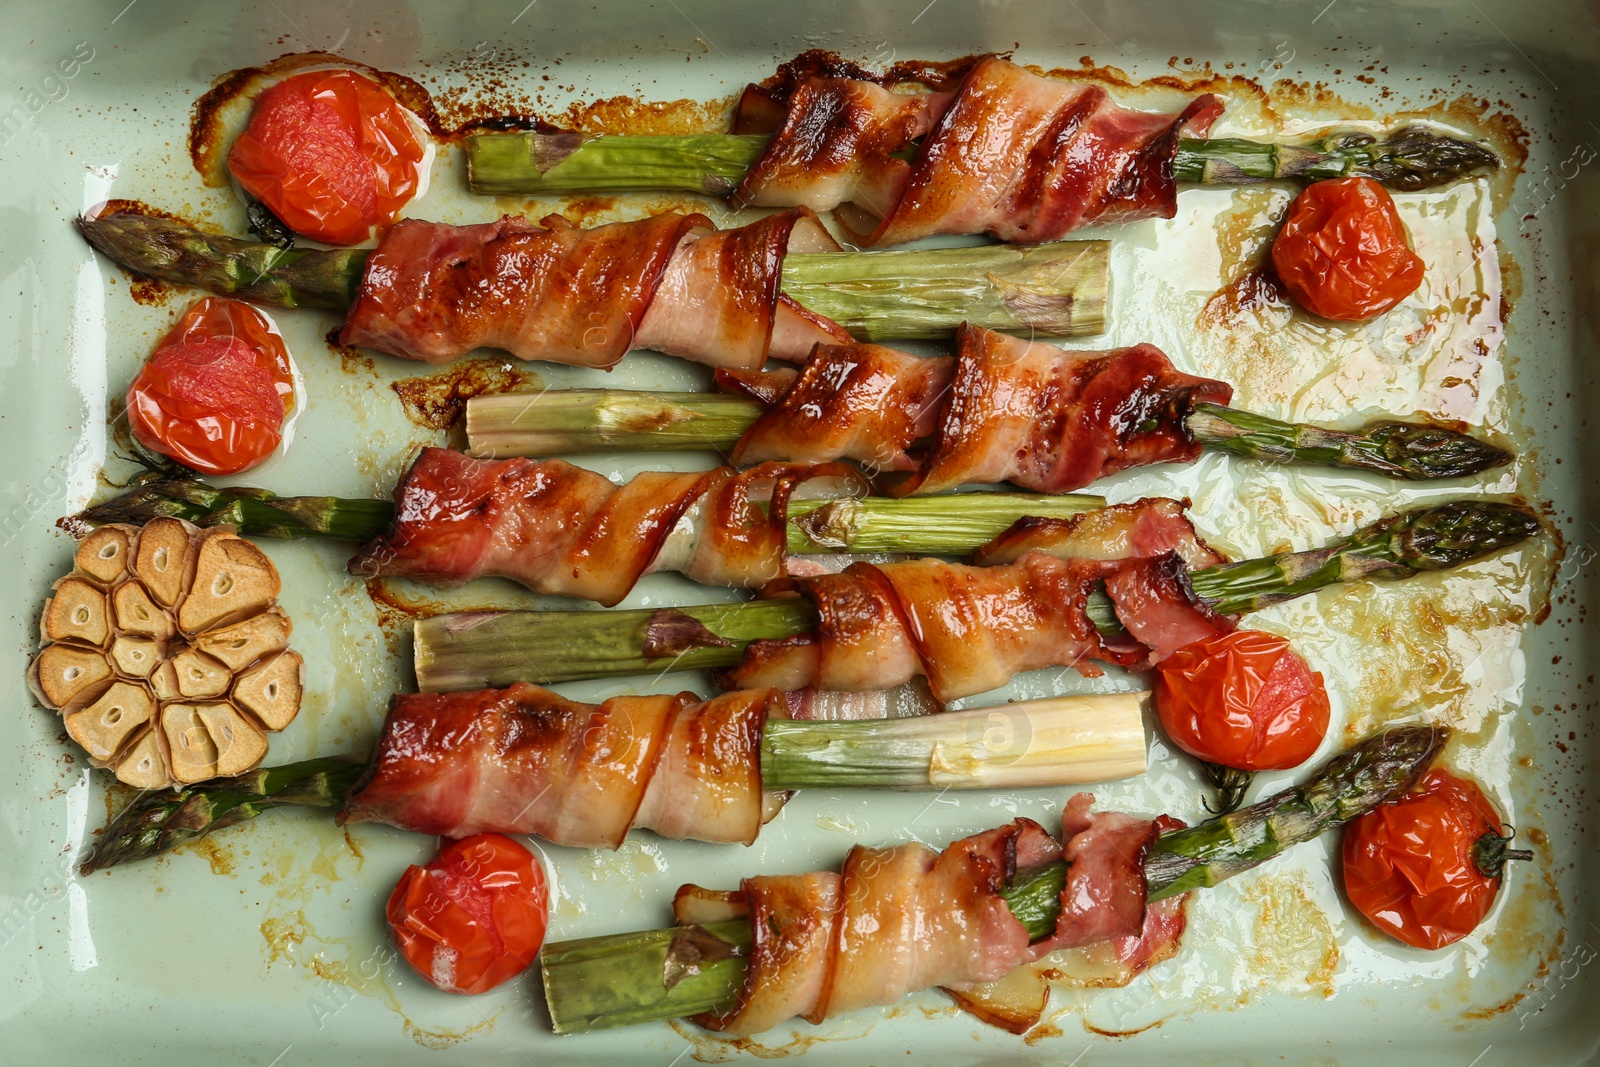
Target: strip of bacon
1009, 153
1003, 409
586, 297
524, 760
969, 629
897, 920
1142, 529
564, 530
1156, 603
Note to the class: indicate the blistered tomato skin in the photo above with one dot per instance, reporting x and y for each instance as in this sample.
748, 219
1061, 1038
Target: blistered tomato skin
474, 917
216, 391
1343, 251
1425, 868
331, 153
1242, 699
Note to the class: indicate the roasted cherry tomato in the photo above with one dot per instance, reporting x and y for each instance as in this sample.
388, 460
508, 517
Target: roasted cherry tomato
1425, 868
331, 153
1343, 252
214, 394
474, 917
1242, 699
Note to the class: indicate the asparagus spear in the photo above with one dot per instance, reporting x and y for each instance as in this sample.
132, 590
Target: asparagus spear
618, 980
1058, 741
160, 821
606, 420
1056, 289
498, 648
945, 525
714, 163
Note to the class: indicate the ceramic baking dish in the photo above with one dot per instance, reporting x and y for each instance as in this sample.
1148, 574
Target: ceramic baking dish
266, 945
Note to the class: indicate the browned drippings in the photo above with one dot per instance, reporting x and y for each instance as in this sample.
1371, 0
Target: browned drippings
1254, 290
437, 401
395, 614
351, 359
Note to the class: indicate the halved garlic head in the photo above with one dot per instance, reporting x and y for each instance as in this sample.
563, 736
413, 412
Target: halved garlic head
166, 653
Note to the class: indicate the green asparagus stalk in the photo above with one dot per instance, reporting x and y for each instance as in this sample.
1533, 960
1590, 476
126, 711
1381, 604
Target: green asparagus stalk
602, 982
160, 821
1438, 537
173, 251
255, 512
713, 164
570, 421
498, 648
1056, 289
1403, 450
938, 526
1057, 741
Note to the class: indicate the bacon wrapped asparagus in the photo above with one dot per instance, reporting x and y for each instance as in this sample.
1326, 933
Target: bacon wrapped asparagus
967, 628
563, 530
525, 760
1012, 903
1001, 409
672, 283
995, 149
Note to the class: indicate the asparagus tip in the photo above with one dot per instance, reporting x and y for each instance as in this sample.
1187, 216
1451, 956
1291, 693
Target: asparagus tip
1421, 452
1449, 535
1420, 159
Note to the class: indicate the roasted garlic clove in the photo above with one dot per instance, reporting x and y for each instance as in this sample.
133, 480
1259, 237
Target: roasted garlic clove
163, 558
271, 691
246, 642
69, 678
144, 765
104, 554
233, 580
102, 727
138, 613
198, 676
134, 656
167, 654
191, 754
240, 744
76, 613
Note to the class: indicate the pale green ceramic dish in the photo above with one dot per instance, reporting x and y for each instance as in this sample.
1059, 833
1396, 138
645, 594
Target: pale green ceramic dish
268, 947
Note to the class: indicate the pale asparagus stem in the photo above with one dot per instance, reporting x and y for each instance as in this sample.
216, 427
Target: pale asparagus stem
954, 525
565, 421
528, 163
1056, 289
480, 650
498, 648
1056, 741
581, 421
1060, 741
1050, 290
618, 980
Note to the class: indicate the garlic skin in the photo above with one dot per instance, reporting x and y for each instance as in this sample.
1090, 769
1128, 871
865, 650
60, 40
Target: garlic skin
166, 654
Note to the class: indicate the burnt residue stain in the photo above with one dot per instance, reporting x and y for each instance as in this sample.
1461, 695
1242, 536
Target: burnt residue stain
582, 210
351, 360
395, 614
1257, 289
437, 401
398, 609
